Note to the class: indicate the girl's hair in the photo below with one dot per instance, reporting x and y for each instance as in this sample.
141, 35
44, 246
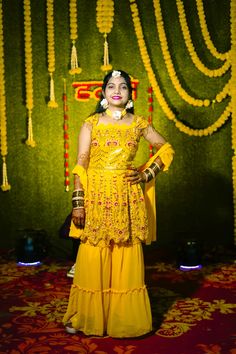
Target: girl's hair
99, 108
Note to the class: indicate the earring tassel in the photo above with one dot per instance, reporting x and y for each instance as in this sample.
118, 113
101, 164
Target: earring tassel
106, 66
30, 141
5, 185
52, 103
75, 69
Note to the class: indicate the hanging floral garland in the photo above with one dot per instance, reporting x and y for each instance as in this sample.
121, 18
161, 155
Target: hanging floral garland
75, 69
150, 113
3, 119
189, 44
66, 140
105, 18
206, 34
51, 52
169, 63
233, 94
28, 70
156, 88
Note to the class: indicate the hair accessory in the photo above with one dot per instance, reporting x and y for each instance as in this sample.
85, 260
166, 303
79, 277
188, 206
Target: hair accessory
104, 103
129, 104
117, 115
116, 73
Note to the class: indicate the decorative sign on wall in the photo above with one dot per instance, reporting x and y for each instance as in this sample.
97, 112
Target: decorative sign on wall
85, 90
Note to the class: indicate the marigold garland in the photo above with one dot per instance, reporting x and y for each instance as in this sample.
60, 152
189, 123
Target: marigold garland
75, 69
189, 44
3, 118
51, 52
66, 139
206, 34
28, 70
105, 18
153, 81
169, 64
233, 94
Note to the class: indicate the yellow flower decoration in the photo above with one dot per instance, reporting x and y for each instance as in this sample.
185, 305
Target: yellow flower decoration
169, 63
3, 119
156, 88
189, 44
206, 34
75, 69
28, 70
105, 18
51, 52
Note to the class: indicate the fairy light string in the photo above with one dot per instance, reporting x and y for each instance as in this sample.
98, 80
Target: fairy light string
5, 186
104, 20
51, 52
28, 71
75, 69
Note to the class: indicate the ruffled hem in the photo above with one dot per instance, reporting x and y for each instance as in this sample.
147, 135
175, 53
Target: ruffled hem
117, 313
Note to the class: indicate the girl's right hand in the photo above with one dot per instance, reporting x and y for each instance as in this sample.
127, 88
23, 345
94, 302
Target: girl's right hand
78, 217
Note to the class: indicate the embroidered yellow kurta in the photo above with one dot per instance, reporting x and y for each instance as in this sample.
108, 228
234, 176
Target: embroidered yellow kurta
115, 209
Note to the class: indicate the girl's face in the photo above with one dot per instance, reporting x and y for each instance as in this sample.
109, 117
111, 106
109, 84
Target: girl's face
116, 92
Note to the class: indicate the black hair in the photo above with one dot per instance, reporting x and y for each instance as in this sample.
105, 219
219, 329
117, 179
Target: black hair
99, 108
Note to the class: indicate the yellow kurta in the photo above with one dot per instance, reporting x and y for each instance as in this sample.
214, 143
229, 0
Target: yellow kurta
108, 295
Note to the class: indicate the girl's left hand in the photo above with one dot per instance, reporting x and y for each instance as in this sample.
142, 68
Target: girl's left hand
135, 177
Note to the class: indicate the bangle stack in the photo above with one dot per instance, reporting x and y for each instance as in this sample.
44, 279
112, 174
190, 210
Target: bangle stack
152, 171
78, 199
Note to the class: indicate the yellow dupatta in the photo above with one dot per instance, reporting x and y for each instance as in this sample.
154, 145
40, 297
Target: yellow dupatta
165, 153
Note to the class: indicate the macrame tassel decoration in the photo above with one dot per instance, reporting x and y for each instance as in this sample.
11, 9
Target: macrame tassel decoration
5, 185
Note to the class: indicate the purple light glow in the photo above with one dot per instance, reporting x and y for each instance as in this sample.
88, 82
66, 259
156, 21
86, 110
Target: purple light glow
187, 268
29, 263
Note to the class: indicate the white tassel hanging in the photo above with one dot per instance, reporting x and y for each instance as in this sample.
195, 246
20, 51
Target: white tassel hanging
52, 103
30, 141
106, 65
5, 185
75, 69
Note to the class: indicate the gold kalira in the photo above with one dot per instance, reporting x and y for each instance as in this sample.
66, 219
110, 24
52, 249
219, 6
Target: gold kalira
156, 88
189, 44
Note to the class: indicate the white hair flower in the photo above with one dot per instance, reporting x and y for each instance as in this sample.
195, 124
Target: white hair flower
116, 73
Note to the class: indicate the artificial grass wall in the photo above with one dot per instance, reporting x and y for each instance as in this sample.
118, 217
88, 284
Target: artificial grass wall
195, 197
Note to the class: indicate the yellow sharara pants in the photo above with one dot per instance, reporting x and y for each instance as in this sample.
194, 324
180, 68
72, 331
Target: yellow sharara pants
108, 295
